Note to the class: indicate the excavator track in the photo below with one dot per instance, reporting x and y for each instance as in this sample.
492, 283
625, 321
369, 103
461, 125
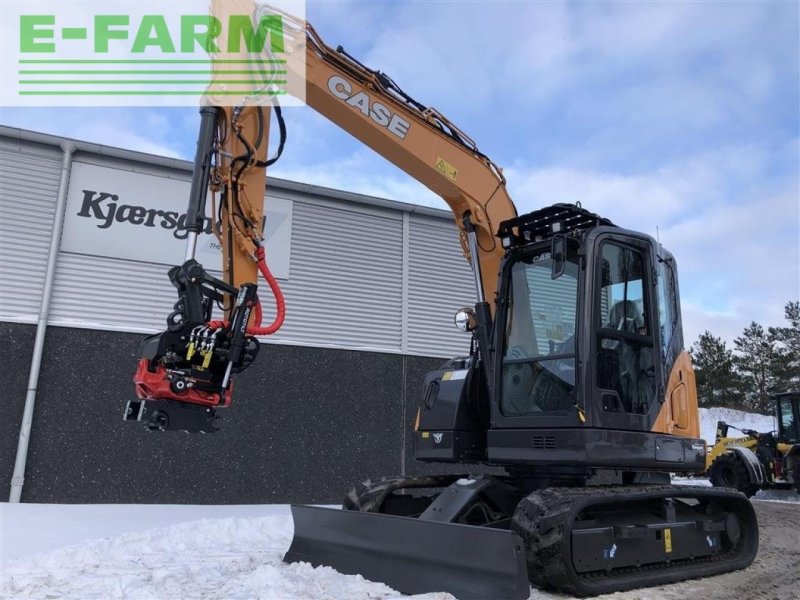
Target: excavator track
597, 540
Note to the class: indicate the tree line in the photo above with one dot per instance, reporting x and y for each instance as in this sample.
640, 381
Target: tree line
763, 361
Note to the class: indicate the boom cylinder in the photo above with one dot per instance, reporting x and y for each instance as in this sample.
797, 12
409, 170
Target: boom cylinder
483, 312
196, 212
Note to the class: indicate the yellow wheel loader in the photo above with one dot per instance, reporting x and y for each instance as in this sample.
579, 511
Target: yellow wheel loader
759, 461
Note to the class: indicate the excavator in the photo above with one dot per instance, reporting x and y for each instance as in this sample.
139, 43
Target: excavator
577, 387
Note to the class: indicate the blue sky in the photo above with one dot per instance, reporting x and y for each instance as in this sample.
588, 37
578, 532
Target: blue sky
678, 116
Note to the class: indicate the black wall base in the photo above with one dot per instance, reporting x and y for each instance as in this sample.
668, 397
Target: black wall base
305, 425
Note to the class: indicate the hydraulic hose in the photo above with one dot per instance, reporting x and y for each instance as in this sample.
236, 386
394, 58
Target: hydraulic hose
280, 302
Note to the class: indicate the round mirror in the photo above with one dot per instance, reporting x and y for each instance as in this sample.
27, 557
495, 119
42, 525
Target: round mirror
465, 319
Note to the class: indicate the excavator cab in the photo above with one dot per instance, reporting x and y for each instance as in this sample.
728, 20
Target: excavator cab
575, 377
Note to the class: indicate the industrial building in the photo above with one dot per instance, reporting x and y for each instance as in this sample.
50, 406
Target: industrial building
371, 287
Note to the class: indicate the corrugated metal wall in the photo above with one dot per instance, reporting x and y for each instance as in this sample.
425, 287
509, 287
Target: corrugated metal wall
349, 265
108, 293
440, 282
345, 286
29, 175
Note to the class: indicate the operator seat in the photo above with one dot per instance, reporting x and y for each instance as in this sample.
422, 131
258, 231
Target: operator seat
625, 316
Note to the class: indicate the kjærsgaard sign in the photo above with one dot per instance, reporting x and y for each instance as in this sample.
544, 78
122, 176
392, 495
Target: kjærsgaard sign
141, 217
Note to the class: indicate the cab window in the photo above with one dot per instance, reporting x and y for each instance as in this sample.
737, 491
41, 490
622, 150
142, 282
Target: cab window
667, 306
538, 374
789, 428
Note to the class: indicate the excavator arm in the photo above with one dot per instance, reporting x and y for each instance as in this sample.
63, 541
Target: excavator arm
421, 141
418, 139
185, 373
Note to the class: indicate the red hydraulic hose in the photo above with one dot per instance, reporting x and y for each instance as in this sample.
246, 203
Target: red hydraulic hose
280, 303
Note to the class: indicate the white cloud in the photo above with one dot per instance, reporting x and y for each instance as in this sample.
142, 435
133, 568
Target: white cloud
151, 131
644, 200
733, 226
358, 172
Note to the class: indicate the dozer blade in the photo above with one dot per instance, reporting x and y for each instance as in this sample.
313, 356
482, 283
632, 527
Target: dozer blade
411, 555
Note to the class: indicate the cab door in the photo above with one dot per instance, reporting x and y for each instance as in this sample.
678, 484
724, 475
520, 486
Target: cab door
627, 369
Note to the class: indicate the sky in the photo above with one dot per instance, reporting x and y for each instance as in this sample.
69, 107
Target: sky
681, 120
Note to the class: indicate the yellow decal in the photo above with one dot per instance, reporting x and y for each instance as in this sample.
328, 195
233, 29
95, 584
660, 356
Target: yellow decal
446, 168
425, 435
668, 540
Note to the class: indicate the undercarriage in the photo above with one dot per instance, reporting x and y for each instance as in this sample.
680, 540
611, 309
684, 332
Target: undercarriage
487, 536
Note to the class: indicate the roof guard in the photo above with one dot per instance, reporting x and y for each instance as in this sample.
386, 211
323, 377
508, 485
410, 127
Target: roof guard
546, 222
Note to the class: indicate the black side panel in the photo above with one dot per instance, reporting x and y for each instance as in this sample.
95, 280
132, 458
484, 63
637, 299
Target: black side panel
449, 428
444, 402
450, 446
411, 555
596, 448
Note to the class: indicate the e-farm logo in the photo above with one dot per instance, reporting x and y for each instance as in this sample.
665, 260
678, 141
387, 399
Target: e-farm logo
150, 53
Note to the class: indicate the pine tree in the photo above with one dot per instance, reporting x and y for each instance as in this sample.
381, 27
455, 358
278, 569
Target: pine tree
755, 360
787, 340
717, 382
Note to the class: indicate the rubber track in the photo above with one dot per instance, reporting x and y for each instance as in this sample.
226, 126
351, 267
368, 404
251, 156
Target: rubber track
544, 518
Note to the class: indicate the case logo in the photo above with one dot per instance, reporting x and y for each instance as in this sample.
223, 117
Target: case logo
379, 113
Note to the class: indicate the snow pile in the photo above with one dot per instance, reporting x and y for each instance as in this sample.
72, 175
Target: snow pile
219, 558
737, 418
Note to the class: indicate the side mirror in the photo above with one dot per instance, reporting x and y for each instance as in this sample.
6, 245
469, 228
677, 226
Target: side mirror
558, 253
465, 320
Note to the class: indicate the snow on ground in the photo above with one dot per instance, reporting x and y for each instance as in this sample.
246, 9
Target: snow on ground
157, 551
790, 496
28, 529
230, 557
